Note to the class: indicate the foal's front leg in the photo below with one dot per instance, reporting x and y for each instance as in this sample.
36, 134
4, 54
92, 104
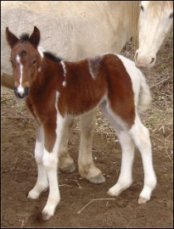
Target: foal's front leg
53, 138
42, 181
87, 168
66, 163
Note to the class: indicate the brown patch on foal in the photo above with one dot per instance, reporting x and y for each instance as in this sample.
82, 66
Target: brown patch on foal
82, 93
120, 91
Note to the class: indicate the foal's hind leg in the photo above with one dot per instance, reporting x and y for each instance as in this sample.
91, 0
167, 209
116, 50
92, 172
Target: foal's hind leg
140, 135
125, 177
42, 181
127, 146
66, 163
86, 164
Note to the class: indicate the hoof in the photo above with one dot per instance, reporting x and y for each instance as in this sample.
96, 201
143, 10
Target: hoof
111, 193
46, 216
33, 195
142, 200
39, 217
117, 189
114, 192
97, 179
69, 168
43, 216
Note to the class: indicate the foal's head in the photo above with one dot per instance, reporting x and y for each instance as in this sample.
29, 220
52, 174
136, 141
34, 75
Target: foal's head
25, 59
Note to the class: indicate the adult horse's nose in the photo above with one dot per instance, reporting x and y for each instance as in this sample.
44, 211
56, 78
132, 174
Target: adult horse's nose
142, 60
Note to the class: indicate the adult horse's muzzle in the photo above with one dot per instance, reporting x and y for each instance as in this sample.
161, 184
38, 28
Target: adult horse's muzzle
21, 92
144, 61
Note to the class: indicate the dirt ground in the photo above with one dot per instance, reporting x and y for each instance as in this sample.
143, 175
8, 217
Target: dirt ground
18, 168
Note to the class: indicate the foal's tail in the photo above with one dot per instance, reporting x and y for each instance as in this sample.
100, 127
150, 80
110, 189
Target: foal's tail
145, 94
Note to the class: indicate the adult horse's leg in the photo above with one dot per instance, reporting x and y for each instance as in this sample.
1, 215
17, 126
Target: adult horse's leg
86, 164
66, 163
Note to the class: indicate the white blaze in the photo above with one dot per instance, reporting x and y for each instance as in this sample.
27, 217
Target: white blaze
20, 89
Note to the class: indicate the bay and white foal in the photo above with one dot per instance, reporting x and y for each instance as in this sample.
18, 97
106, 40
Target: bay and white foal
55, 90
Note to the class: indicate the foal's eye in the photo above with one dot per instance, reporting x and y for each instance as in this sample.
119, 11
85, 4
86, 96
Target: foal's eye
142, 8
12, 61
171, 15
34, 62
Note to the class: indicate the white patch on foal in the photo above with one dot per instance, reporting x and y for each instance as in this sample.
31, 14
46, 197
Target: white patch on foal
39, 69
140, 135
64, 68
42, 181
50, 161
41, 51
90, 70
20, 89
64, 83
94, 65
64, 72
140, 88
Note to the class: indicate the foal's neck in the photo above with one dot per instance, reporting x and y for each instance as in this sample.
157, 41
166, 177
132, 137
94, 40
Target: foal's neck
49, 76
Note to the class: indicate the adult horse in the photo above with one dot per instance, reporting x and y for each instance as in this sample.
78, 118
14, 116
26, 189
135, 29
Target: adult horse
82, 29
76, 30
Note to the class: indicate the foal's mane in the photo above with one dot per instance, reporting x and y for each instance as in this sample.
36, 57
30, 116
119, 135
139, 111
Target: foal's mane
24, 37
52, 56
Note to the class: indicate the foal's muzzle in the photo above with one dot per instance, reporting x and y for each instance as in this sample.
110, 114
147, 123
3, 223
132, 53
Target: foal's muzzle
21, 93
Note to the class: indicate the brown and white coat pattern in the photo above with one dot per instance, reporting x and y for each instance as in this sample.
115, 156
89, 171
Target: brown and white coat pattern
57, 90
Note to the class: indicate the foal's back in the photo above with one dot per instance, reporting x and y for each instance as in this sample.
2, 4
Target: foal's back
91, 81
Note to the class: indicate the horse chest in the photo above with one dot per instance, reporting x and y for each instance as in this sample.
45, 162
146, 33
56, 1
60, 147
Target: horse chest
33, 109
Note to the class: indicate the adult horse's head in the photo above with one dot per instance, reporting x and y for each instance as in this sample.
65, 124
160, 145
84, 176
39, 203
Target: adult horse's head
25, 59
155, 20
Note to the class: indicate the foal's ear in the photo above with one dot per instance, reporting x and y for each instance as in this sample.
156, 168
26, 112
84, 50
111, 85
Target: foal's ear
11, 38
35, 37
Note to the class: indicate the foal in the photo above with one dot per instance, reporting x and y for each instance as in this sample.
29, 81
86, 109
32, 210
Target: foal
55, 90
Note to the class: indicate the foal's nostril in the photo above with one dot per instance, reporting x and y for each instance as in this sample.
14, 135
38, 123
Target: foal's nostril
19, 95
15, 91
136, 55
26, 91
152, 60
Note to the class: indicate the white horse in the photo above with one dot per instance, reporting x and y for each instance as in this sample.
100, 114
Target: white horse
94, 27
77, 30
155, 21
